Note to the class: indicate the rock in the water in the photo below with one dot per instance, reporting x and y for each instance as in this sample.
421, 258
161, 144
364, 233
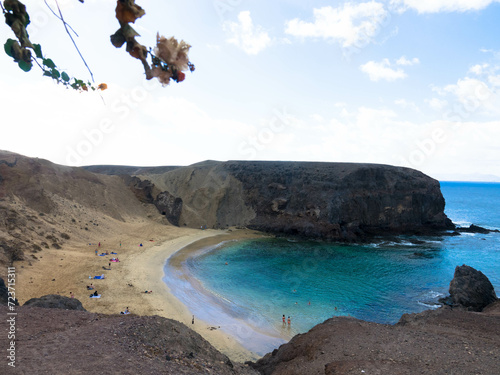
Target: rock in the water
471, 289
4, 294
54, 301
477, 229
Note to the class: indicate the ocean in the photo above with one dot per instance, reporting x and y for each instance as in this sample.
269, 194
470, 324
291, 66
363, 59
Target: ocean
245, 287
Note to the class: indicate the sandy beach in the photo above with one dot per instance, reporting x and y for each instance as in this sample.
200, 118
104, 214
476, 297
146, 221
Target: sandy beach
140, 268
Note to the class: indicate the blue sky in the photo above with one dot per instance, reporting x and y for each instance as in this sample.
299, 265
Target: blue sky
401, 82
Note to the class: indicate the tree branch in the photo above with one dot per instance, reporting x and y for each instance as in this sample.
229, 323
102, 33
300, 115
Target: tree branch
69, 34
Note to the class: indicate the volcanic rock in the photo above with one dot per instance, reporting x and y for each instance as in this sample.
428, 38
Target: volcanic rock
339, 201
169, 206
58, 341
471, 289
442, 341
54, 301
476, 229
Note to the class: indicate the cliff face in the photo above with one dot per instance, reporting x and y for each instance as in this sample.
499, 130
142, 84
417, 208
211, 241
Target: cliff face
338, 201
341, 201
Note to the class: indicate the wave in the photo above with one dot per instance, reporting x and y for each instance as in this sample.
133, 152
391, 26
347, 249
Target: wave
462, 223
430, 299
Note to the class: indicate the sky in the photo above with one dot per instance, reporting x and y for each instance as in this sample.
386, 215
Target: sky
411, 83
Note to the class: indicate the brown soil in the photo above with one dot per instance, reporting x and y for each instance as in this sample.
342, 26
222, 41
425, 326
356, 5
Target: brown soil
55, 341
443, 341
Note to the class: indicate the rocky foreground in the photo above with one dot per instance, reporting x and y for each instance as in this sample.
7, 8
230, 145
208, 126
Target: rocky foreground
445, 341
454, 339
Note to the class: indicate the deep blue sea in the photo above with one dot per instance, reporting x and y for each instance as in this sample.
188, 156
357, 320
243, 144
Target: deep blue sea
311, 281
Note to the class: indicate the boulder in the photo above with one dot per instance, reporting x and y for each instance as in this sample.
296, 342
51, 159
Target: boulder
471, 289
54, 301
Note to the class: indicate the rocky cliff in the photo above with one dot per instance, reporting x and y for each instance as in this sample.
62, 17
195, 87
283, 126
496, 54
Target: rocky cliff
340, 201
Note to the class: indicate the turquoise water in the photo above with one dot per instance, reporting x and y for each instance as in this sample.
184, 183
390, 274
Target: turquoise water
313, 281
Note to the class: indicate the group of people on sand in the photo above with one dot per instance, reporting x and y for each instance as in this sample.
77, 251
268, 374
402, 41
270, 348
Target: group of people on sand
103, 276
115, 260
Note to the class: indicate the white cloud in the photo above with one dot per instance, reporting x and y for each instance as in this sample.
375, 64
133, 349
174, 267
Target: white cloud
494, 81
406, 62
349, 25
245, 35
434, 6
316, 117
403, 103
436, 103
478, 69
382, 71
381, 136
470, 91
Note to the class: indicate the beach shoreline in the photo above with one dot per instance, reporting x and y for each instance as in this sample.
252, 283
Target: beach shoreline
215, 309
141, 269
168, 305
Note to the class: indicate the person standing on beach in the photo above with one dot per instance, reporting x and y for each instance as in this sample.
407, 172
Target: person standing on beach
284, 319
289, 321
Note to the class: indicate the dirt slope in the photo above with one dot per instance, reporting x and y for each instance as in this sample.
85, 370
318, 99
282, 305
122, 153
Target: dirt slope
44, 205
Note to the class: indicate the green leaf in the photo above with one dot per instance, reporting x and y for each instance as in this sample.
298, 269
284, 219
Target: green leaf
55, 74
64, 76
26, 19
8, 47
49, 63
25, 66
38, 50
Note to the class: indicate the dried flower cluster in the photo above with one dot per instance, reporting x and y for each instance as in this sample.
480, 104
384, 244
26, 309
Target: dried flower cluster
170, 59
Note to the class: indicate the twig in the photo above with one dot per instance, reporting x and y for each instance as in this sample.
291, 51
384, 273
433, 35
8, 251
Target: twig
37, 63
74, 43
54, 13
